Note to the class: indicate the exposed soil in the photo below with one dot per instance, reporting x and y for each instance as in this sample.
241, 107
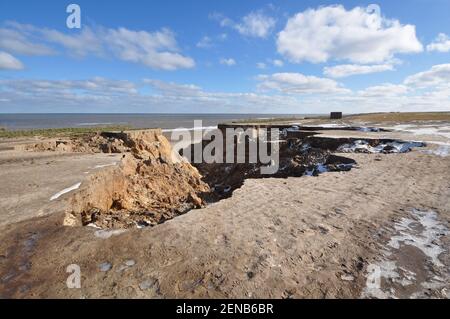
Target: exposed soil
148, 187
152, 184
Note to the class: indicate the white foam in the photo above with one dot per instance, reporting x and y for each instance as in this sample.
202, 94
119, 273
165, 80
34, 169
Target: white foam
65, 190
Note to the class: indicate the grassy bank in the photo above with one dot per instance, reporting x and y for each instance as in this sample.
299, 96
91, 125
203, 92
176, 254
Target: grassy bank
59, 132
401, 117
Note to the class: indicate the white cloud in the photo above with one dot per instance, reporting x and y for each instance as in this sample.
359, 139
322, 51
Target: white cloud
157, 50
345, 70
287, 93
173, 89
255, 24
229, 61
437, 76
96, 85
205, 43
103, 95
384, 90
261, 65
334, 33
297, 83
79, 44
21, 42
440, 44
278, 63
8, 62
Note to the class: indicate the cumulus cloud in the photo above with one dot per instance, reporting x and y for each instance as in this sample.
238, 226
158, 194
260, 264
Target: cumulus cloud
336, 33
228, 62
8, 62
255, 24
157, 50
345, 70
440, 44
297, 83
437, 76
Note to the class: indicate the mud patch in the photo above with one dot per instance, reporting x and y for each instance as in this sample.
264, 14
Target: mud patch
411, 265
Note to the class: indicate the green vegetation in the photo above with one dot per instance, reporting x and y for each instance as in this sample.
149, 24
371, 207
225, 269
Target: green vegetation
60, 132
278, 120
401, 117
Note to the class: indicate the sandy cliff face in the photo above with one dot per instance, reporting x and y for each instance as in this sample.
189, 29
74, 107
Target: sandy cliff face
149, 186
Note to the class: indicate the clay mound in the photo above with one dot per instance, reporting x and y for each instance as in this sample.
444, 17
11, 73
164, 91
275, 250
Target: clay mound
149, 186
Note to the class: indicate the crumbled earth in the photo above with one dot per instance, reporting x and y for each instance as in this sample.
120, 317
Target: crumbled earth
101, 142
149, 186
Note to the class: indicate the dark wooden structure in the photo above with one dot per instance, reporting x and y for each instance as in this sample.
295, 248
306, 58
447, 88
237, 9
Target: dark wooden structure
336, 115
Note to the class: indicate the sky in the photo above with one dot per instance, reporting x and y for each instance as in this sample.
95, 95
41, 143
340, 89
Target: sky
199, 56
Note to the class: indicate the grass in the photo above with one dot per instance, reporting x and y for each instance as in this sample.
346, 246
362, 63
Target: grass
59, 132
268, 120
401, 117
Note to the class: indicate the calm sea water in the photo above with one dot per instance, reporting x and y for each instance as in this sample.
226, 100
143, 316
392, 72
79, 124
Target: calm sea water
165, 121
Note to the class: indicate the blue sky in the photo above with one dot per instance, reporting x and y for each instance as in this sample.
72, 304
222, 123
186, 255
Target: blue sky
225, 56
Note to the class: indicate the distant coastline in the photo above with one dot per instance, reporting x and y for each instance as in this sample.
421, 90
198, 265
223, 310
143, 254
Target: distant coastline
27, 121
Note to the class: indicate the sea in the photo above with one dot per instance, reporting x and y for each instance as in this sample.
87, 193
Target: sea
26, 121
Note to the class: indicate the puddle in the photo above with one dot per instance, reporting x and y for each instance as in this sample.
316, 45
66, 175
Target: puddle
410, 266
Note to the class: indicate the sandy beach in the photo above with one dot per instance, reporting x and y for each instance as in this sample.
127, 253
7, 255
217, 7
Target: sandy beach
379, 230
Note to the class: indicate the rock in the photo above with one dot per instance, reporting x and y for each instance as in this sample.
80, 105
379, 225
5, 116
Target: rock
104, 267
149, 283
347, 278
130, 263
